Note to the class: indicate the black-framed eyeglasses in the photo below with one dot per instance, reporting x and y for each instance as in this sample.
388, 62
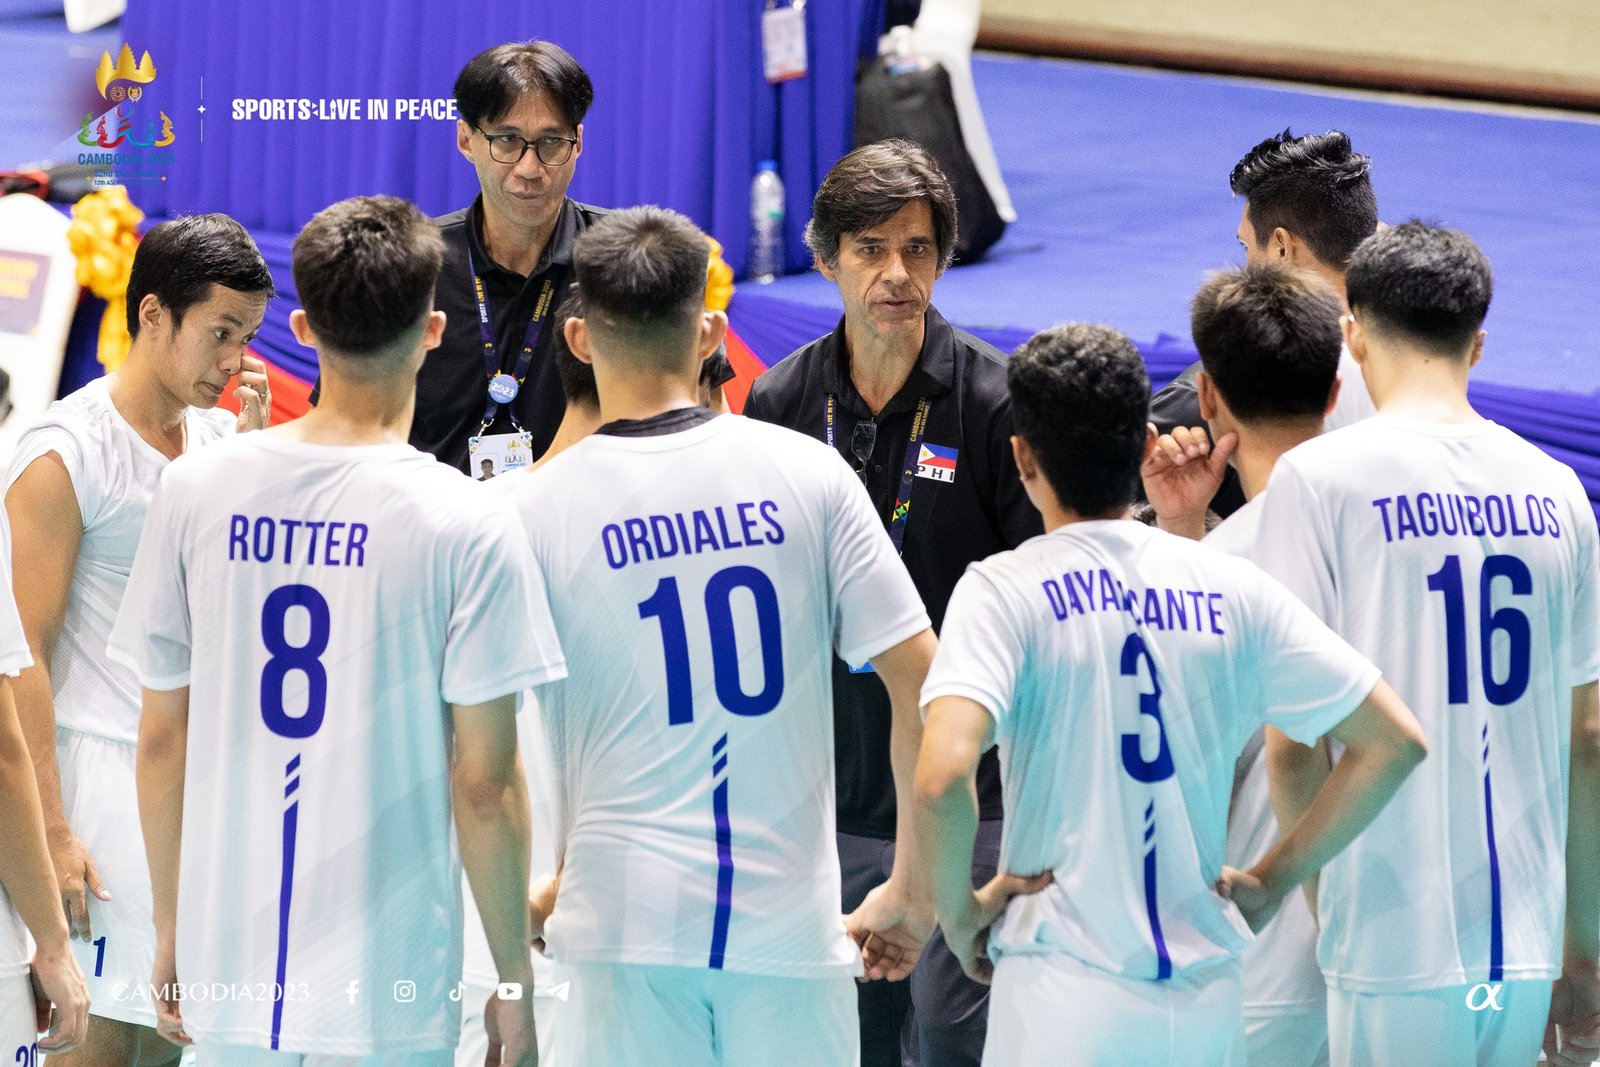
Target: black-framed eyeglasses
862, 438
550, 149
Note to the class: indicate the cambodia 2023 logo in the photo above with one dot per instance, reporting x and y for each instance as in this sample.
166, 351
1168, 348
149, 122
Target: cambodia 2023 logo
135, 138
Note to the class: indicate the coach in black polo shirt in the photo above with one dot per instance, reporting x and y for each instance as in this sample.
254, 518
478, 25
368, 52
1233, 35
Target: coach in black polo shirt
920, 410
521, 109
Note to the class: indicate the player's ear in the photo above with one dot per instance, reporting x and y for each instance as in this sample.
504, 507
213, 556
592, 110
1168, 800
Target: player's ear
464, 139
1206, 392
1027, 462
433, 330
298, 325
1477, 349
576, 331
713, 331
1150, 436
823, 268
1333, 395
152, 313
1282, 244
1355, 338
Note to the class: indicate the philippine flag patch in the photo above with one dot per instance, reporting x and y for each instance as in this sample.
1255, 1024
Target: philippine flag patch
936, 462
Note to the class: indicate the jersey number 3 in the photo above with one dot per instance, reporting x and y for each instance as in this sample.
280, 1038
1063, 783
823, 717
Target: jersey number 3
666, 606
1145, 770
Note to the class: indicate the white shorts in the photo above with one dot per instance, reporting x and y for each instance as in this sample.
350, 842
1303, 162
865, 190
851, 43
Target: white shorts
634, 1015
101, 800
1290, 1040
250, 1056
1439, 1026
1058, 1011
17, 1037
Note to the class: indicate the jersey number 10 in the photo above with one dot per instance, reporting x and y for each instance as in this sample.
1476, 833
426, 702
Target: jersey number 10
666, 606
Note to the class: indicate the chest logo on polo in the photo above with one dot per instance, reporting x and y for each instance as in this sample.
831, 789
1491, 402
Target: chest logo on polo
936, 462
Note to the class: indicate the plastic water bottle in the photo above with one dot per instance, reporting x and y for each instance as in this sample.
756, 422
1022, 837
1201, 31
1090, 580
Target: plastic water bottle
766, 224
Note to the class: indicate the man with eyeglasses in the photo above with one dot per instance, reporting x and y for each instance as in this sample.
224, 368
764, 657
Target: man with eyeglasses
920, 410
491, 386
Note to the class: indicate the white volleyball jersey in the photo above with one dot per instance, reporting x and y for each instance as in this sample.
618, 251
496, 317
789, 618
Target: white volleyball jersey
1281, 976
14, 656
1125, 669
1462, 560
324, 605
113, 472
701, 579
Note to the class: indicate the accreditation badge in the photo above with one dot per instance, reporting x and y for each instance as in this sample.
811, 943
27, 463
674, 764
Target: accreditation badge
783, 42
499, 453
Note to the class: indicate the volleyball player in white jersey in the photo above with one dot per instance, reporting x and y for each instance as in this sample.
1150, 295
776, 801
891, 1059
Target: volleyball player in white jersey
331, 629
27, 881
79, 483
1269, 344
1121, 670
702, 569
1462, 560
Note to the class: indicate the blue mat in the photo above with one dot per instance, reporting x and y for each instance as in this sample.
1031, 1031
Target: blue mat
1120, 178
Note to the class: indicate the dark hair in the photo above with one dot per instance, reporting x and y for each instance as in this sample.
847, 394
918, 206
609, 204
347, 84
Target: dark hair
1313, 186
1269, 338
1428, 283
1080, 397
365, 269
179, 261
867, 187
577, 377
495, 79
643, 273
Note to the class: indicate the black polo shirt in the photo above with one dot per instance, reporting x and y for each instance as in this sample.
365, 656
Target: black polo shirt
981, 511
1179, 405
452, 387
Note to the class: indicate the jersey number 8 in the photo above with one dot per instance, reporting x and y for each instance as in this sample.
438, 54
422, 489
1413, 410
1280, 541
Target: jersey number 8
287, 658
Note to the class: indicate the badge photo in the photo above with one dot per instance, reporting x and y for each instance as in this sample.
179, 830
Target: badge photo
499, 453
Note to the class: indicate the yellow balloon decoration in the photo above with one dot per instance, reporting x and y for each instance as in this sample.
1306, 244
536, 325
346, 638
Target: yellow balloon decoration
719, 279
103, 236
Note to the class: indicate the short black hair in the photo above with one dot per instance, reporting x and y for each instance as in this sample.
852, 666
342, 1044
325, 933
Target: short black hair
1080, 397
577, 377
1269, 338
495, 79
365, 270
643, 274
1313, 186
179, 261
1427, 283
869, 186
